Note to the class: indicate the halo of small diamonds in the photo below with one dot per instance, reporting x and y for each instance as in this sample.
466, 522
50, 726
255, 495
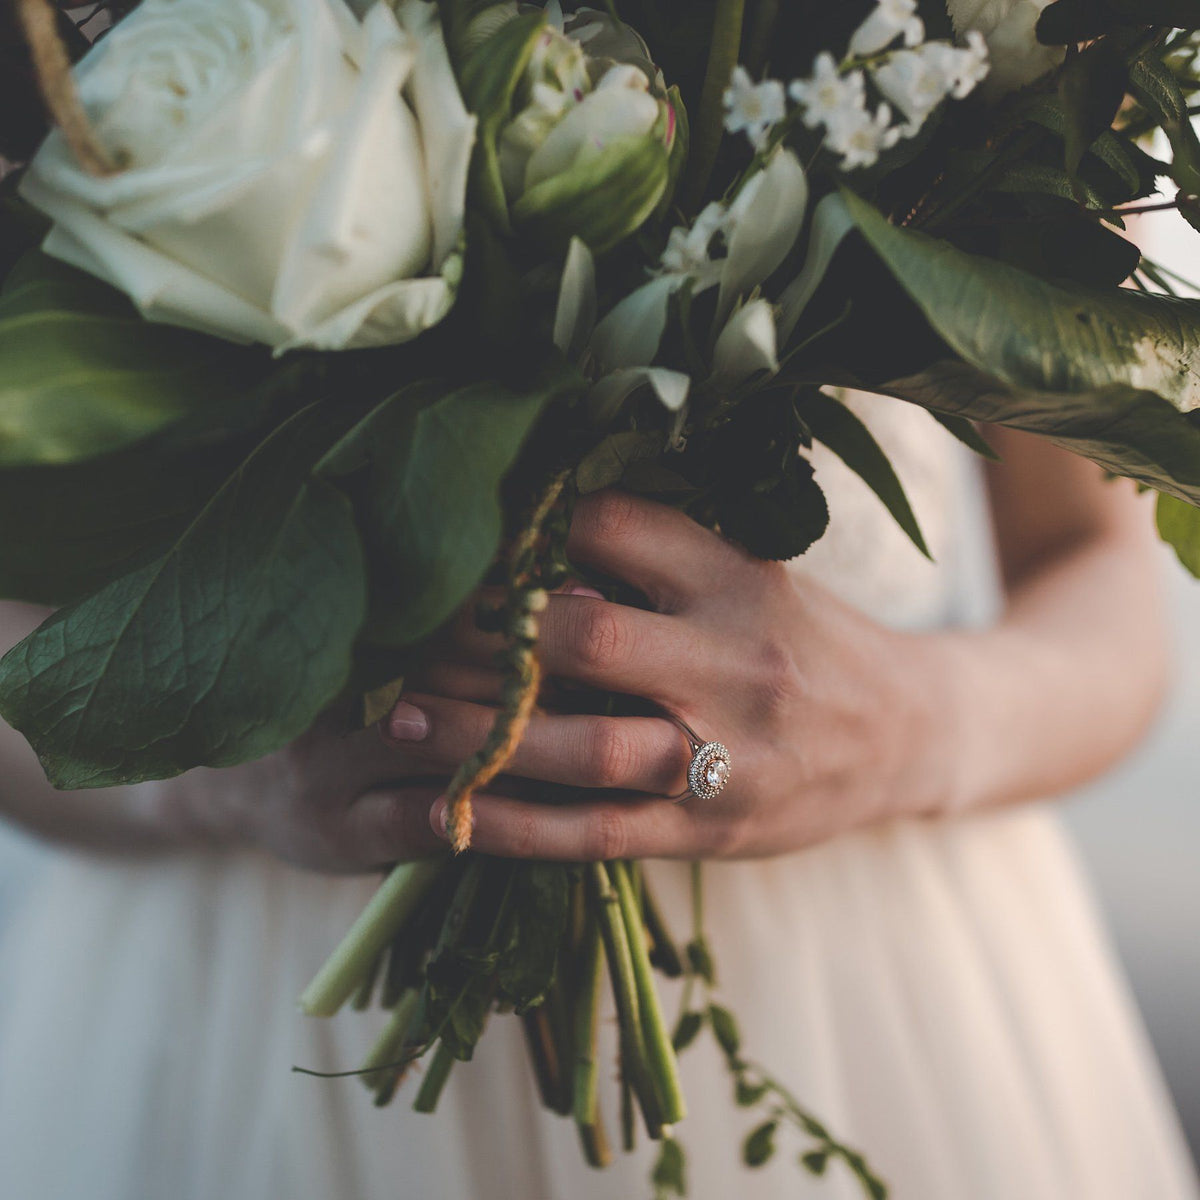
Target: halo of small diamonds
709, 771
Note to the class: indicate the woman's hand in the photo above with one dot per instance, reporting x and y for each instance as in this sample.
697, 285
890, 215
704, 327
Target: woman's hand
831, 721
330, 801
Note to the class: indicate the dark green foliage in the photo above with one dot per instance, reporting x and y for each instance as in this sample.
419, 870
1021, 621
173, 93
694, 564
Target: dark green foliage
223, 649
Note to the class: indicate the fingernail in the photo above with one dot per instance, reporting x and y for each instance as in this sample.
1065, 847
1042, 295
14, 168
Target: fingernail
437, 817
581, 589
407, 722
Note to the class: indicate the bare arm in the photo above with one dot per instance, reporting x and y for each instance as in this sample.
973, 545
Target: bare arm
1067, 681
117, 819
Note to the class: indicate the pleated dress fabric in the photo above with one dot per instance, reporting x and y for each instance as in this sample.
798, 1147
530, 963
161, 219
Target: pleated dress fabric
940, 993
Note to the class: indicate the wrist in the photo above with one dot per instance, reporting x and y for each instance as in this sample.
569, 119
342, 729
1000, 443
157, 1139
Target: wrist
941, 767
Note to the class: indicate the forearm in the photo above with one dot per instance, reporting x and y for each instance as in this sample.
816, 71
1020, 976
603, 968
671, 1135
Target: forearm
126, 820
1067, 681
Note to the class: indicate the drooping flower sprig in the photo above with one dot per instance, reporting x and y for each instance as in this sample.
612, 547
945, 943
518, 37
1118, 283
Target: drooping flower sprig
914, 77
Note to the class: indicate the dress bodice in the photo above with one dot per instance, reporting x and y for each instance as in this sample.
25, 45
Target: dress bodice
867, 560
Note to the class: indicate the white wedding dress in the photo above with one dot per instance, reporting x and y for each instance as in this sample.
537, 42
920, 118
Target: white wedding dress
940, 993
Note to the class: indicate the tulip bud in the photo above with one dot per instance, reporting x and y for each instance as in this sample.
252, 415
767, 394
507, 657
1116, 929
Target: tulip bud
583, 148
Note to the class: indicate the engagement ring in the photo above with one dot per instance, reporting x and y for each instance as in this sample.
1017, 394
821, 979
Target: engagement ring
708, 772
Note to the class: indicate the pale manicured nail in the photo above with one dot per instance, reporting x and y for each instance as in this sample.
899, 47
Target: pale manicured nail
437, 817
581, 589
408, 723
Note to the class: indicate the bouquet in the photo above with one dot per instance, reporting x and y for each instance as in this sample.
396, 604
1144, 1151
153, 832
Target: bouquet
317, 317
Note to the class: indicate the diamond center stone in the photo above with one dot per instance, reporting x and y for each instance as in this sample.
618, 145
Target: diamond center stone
716, 772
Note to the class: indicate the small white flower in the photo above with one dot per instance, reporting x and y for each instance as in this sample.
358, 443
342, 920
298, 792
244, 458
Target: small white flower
829, 97
752, 107
887, 21
971, 65
917, 81
861, 141
688, 249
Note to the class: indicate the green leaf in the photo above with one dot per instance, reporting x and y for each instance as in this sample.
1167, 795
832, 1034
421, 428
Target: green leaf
540, 909
966, 433
748, 1094
71, 529
433, 517
700, 960
838, 428
1160, 93
815, 1161
81, 374
1091, 89
221, 651
759, 1145
1100, 372
725, 1029
1068, 22
690, 1024
1179, 526
607, 463
670, 1171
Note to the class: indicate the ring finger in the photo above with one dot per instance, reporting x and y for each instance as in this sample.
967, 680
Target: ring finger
640, 754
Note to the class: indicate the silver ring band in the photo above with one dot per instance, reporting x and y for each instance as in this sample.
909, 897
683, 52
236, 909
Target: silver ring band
710, 768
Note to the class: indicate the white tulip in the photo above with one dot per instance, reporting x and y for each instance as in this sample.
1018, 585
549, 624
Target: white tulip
289, 175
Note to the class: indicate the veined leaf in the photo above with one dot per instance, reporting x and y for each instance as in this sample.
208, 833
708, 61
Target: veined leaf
1106, 373
222, 650
81, 374
70, 529
433, 518
833, 424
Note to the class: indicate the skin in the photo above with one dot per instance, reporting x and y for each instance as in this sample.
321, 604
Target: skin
833, 721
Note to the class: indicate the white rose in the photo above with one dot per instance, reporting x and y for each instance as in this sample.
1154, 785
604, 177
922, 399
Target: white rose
288, 175
1008, 27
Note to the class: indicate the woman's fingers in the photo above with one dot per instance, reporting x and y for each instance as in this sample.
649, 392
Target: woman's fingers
640, 754
581, 832
388, 824
659, 550
608, 646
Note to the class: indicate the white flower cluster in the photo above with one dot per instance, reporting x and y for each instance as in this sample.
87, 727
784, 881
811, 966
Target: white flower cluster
914, 77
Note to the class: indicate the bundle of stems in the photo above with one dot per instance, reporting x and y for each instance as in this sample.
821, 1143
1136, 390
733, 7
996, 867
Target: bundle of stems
428, 949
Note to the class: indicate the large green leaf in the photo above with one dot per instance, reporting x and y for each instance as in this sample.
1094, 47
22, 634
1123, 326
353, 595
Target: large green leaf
221, 651
1106, 373
842, 432
81, 374
70, 529
432, 515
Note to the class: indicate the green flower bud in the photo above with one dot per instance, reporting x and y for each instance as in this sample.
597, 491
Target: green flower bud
584, 148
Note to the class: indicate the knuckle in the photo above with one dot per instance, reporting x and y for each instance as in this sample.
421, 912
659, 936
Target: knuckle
610, 755
613, 516
607, 836
776, 677
599, 637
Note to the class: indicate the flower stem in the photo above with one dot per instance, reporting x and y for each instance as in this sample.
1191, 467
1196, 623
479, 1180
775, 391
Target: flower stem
435, 1079
380, 1064
625, 992
709, 126
382, 919
587, 1027
660, 1053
